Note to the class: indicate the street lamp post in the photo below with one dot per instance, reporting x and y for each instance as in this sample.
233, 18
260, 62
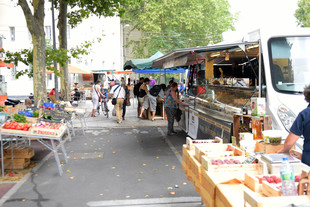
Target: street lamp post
54, 47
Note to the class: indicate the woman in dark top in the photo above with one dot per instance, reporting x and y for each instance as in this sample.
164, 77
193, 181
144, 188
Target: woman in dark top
143, 90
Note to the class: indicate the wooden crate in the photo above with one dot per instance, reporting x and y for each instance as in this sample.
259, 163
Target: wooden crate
229, 195
209, 181
13, 131
216, 150
254, 199
32, 120
267, 148
194, 171
270, 190
258, 168
264, 188
266, 123
190, 144
252, 182
18, 164
19, 152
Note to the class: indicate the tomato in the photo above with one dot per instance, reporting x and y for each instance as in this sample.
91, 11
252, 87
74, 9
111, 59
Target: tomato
19, 127
6, 125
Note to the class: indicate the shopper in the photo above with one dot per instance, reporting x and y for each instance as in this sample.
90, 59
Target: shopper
118, 92
52, 96
76, 96
301, 126
171, 104
152, 82
126, 99
96, 94
151, 99
136, 93
143, 90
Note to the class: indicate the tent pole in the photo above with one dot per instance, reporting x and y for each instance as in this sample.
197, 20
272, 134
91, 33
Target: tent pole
165, 77
160, 76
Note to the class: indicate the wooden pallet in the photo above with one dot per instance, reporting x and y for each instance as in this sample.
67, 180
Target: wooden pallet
19, 152
18, 164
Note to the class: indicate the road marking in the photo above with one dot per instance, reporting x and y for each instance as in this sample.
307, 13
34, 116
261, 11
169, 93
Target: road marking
173, 149
180, 201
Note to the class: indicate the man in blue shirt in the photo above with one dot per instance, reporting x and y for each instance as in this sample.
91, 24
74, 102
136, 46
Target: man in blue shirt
301, 126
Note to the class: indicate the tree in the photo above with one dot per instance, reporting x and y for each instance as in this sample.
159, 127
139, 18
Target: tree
81, 10
35, 24
172, 24
303, 13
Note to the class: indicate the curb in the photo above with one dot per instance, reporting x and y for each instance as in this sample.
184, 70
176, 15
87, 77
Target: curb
15, 188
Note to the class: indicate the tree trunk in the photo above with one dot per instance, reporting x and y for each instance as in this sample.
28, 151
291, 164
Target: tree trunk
62, 27
35, 24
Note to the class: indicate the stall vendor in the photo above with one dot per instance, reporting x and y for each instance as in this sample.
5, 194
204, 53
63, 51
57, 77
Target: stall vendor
301, 126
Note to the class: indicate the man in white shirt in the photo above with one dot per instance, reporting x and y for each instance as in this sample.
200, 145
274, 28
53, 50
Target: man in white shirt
118, 92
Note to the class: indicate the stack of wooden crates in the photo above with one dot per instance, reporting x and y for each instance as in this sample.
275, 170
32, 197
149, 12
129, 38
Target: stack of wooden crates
21, 157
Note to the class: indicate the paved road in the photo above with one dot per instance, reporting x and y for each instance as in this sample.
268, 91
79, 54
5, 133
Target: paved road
132, 164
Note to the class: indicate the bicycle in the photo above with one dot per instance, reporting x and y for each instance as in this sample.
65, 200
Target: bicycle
104, 107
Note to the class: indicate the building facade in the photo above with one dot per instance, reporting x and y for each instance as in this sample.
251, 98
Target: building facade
14, 36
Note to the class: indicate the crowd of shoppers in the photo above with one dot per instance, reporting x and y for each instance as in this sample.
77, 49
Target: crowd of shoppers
148, 94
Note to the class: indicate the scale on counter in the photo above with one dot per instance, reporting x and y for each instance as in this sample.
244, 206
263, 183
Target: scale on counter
277, 158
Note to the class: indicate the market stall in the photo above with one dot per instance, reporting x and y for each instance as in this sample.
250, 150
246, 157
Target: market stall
48, 124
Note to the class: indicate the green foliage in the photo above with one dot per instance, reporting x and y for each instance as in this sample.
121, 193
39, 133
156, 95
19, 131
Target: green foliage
82, 9
303, 13
170, 24
61, 56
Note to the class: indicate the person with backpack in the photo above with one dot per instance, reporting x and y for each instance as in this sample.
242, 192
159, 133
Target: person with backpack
136, 93
151, 99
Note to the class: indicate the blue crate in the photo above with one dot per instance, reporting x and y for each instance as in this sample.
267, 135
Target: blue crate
26, 113
48, 105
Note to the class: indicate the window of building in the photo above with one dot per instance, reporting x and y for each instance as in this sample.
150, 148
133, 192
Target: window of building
12, 33
48, 32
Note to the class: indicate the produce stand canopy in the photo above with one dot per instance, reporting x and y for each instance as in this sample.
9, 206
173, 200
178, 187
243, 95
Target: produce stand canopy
73, 70
141, 63
159, 70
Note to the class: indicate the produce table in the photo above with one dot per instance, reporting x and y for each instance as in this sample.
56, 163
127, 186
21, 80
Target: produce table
10, 134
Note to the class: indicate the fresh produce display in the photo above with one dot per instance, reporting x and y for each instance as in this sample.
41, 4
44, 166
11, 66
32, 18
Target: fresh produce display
16, 126
48, 107
20, 118
225, 161
48, 125
274, 179
36, 114
50, 117
2, 108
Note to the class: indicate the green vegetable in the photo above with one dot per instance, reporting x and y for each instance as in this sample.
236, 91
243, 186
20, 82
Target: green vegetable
20, 118
1, 108
36, 114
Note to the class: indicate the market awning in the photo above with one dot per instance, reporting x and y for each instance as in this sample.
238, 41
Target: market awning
159, 70
141, 63
120, 72
73, 70
7, 65
189, 56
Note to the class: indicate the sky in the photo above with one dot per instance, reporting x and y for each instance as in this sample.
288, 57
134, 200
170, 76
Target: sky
255, 14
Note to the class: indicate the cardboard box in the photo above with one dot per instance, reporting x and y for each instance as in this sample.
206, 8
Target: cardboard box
258, 106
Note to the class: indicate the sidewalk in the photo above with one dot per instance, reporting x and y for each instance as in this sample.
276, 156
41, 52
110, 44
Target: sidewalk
127, 164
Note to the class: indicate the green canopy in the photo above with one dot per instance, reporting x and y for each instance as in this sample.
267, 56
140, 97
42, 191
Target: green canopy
141, 63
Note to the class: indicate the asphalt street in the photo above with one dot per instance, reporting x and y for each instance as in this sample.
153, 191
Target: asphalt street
132, 164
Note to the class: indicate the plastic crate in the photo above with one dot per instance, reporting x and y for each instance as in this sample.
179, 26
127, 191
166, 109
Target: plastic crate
49, 105
26, 113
